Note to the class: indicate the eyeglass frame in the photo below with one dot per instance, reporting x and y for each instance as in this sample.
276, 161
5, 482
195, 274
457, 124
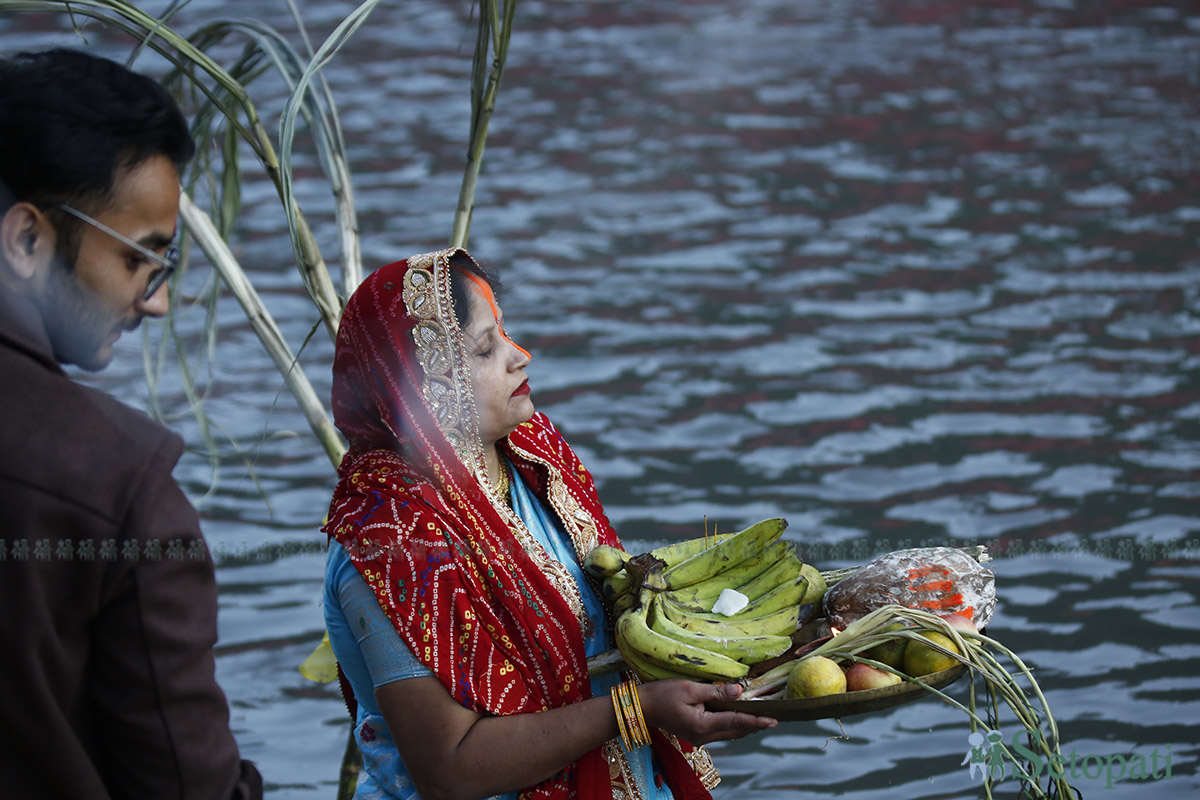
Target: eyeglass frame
167, 263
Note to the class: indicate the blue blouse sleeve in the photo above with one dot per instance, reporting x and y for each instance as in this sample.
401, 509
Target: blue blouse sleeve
387, 658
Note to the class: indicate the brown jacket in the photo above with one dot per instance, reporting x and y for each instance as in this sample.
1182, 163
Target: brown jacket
108, 602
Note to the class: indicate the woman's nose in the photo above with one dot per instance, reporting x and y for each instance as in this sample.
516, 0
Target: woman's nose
522, 355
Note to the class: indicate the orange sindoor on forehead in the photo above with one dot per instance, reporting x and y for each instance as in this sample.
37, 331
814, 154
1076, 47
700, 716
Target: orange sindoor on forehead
486, 292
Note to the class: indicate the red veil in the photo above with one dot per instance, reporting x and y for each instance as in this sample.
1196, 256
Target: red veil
469, 589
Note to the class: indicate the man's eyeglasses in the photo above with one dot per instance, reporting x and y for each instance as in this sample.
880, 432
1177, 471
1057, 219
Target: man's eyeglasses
166, 262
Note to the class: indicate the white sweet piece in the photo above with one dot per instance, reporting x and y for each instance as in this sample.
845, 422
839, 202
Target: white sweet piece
730, 602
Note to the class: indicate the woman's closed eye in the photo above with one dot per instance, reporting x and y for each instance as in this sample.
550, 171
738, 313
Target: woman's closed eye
485, 345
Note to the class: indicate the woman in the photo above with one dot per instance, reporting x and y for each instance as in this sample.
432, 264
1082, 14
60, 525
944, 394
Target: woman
454, 599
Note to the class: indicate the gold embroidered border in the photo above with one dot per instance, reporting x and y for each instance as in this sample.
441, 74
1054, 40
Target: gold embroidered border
624, 785
577, 522
620, 773
701, 763
441, 351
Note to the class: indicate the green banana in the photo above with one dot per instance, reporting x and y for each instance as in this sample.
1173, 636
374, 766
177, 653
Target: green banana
672, 554
624, 603
649, 671
816, 585
789, 593
746, 649
783, 622
725, 554
620, 583
634, 635
702, 595
785, 569
604, 560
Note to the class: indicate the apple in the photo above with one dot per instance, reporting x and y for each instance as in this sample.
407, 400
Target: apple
864, 676
960, 621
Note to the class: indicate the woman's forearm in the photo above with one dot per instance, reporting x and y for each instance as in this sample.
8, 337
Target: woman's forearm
453, 753
503, 754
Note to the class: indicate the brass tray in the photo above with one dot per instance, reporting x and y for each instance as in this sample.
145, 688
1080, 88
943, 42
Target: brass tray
842, 705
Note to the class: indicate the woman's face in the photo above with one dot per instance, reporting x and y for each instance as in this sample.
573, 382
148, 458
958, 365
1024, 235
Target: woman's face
498, 378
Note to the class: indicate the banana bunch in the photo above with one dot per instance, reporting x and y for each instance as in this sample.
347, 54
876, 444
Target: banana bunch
663, 601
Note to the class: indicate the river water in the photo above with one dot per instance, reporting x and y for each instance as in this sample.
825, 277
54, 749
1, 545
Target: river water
901, 272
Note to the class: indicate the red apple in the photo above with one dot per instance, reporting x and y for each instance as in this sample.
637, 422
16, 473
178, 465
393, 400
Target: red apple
960, 621
864, 676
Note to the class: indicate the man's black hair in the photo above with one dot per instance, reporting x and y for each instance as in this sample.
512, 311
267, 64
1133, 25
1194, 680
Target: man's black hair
69, 121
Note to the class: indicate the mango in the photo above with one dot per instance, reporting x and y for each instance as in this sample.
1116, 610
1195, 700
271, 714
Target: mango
815, 676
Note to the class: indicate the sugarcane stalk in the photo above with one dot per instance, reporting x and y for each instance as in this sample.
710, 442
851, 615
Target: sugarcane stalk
339, 176
483, 105
348, 774
209, 240
608, 661
969, 711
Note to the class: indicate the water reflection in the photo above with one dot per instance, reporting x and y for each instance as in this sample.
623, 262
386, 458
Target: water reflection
897, 272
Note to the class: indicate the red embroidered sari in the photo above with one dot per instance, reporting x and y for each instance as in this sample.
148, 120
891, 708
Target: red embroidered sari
471, 592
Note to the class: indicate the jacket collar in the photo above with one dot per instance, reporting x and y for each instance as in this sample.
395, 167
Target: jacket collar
22, 328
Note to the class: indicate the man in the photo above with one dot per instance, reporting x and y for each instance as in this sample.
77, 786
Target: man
107, 594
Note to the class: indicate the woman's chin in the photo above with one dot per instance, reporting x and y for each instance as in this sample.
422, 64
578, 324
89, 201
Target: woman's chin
522, 416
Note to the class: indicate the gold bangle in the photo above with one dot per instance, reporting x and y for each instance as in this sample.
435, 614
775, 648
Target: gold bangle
630, 716
637, 709
620, 716
627, 714
631, 711
641, 720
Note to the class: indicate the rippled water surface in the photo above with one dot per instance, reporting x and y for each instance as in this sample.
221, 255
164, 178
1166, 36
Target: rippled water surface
901, 272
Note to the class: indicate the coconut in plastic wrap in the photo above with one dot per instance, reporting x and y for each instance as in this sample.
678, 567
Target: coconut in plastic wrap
940, 580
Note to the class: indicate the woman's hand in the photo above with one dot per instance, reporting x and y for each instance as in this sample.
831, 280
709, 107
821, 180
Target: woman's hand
677, 706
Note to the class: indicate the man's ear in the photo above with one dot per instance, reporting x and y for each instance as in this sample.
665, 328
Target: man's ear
27, 241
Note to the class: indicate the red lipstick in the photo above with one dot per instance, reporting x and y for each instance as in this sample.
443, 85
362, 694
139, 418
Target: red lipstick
523, 389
